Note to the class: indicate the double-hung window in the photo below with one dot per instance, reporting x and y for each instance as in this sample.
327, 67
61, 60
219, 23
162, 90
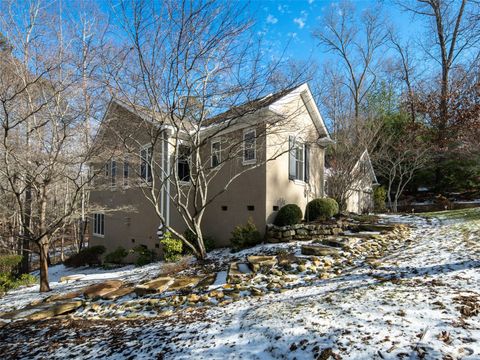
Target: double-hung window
146, 163
113, 172
299, 158
249, 146
216, 153
99, 224
183, 166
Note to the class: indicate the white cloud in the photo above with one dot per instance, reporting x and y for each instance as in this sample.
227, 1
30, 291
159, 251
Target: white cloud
271, 19
299, 22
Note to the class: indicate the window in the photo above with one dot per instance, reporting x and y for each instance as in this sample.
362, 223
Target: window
107, 169
249, 144
224, 207
275, 208
113, 172
99, 224
183, 167
250, 207
125, 172
146, 163
299, 157
216, 153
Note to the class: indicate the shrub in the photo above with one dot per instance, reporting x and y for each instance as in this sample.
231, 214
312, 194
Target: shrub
144, 255
379, 197
90, 256
289, 214
321, 209
8, 270
9, 282
172, 248
244, 236
116, 256
8, 263
208, 241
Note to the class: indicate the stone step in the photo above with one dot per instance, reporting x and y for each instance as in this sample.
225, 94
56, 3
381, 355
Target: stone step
257, 262
101, 289
154, 286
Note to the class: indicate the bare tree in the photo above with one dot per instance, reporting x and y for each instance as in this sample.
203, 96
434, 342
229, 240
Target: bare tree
356, 43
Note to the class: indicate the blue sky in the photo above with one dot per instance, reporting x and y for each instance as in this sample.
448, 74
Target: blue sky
292, 22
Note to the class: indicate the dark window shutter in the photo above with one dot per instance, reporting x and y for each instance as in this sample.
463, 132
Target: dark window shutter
291, 158
307, 162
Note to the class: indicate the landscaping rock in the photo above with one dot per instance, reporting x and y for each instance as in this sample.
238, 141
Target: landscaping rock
67, 296
257, 262
118, 293
76, 277
101, 289
54, 310
154, 286
319, 250
184, 283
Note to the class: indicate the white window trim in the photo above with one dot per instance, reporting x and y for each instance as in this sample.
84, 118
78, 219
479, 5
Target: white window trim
254, 160
93, 230
145, 180
189, 161
219, 153
300, 140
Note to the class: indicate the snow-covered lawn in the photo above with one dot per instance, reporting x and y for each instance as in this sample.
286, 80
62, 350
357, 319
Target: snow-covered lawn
418, 302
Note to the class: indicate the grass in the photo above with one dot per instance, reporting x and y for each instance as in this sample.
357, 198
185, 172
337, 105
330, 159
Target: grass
471, 214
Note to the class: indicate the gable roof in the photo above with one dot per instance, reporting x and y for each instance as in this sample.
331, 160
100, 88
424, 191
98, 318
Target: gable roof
274, 103
365, 159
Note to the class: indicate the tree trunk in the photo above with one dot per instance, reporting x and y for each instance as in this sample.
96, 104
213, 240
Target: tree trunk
43, 247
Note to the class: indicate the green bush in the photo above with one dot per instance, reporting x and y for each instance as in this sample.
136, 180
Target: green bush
244, 236
321, 209
116, 256
208, 241
8, 263
9, 282
289, 214
144, 255
172, 248
8, 270
379, 197
90, 256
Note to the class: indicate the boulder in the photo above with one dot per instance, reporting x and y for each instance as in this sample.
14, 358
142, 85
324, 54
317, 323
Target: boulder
101, 289
286, 259
319, 250
257, 262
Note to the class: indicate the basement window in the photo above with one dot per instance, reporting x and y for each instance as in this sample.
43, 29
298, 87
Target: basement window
250, 207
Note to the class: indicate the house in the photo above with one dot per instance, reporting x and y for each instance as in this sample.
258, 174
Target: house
360, 181
269, 156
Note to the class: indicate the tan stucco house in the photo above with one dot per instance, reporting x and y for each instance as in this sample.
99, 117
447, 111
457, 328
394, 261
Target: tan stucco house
281, 144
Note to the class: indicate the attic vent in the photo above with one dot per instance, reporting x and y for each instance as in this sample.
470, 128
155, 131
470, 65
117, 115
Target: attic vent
250, 207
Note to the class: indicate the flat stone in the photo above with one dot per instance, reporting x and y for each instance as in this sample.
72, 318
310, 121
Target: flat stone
154, 286
52, 310
207, 280
67, 296
101, 289
237, 271
319, 250
257, 262
76, 277
184, 283
118, 293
